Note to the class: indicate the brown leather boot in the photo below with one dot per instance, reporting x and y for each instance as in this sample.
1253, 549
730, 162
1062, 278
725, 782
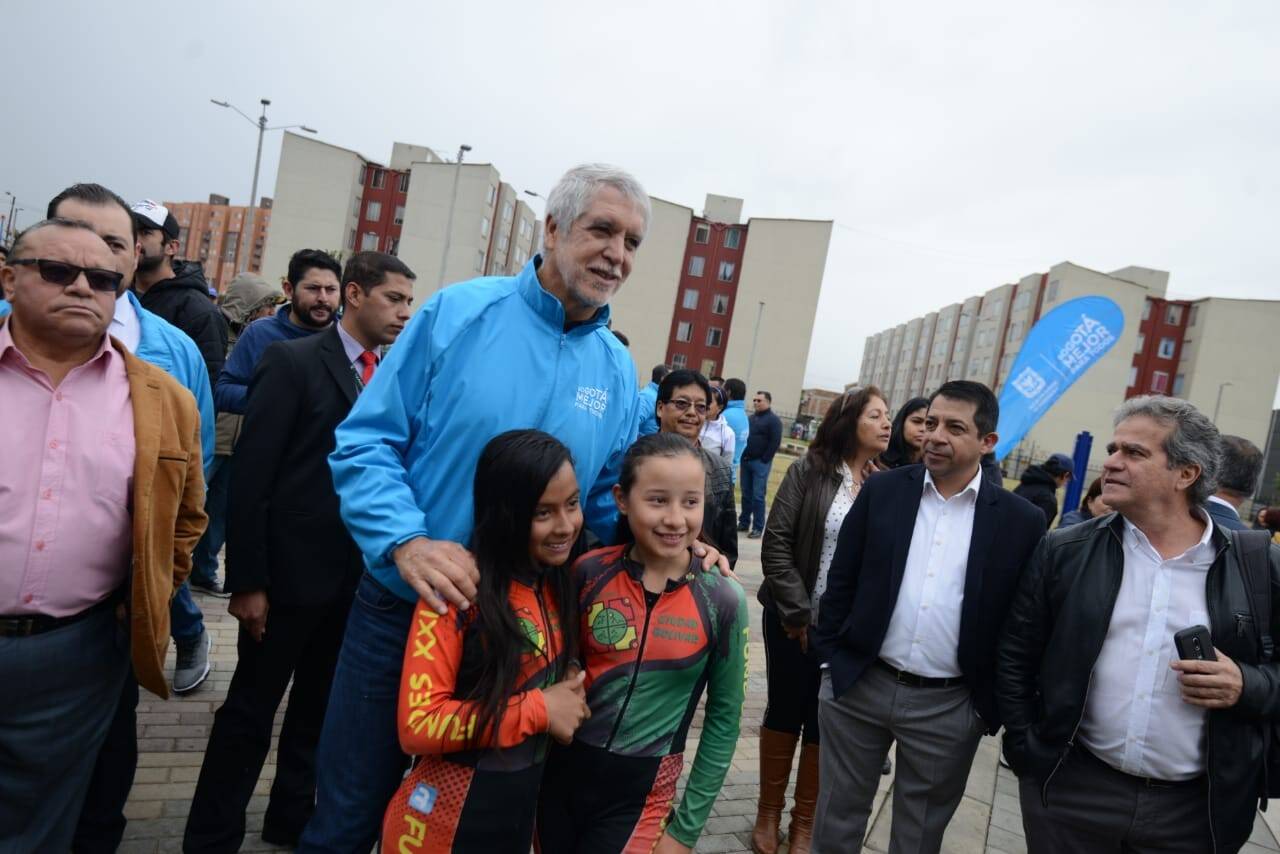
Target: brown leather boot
777, 749
800, 832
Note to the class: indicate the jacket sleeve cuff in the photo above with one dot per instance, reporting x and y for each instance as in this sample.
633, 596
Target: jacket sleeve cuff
1255, 691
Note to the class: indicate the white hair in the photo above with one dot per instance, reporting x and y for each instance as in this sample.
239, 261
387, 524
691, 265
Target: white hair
576, 189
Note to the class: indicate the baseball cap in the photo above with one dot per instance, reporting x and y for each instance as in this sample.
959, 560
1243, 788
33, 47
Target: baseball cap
1059, 464
149, 214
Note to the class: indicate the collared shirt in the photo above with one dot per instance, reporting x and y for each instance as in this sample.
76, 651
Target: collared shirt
1135, 719
126, 327
1227, 504
352, 347
924, 631
66, 482
841, 504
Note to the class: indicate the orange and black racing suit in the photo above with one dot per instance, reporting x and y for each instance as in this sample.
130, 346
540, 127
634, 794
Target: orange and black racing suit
467, 793
648, 658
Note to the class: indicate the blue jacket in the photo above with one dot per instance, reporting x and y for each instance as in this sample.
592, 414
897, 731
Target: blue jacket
736, 415
648, 413
1227, 518
231, 393
169, 349
480, 358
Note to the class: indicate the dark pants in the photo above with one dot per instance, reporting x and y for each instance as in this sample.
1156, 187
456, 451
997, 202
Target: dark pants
359, 761
205, 556
1093, 807
301, 643
793, 679
60, 691
755, 480
186, 622
102, 821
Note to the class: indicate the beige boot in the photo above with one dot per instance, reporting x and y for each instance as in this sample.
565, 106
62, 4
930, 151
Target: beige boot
800, 832
777, 749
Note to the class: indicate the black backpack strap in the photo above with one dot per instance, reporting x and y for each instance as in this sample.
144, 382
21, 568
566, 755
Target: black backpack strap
1251, 548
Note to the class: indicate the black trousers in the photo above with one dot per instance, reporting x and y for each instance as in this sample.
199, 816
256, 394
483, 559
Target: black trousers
793, 679
102, 821
302, 643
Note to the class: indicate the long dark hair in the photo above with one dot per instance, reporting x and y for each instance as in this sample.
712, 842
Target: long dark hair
511, 476
899, 453
837, 437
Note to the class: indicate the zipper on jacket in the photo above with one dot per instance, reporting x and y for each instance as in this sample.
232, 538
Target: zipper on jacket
1070, 745
635, 673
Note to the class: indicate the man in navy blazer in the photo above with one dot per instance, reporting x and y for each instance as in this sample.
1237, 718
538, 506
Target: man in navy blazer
1241, 465
925, 567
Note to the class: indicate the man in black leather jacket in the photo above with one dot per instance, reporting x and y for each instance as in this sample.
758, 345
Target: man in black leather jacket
1117, 743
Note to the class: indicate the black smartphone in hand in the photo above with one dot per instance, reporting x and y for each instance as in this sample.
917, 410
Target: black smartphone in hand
1194, 644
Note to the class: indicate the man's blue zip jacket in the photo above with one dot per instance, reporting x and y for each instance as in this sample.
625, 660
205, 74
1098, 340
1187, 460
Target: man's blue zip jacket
480, 358
172, 351
231, 393
736, 416
648, 413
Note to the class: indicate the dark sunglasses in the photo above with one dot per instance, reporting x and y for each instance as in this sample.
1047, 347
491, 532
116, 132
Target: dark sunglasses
682, 404
62, 273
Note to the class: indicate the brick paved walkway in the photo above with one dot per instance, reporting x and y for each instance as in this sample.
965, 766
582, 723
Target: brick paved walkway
172, 737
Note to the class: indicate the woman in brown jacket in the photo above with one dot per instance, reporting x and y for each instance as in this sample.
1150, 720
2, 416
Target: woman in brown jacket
799, 541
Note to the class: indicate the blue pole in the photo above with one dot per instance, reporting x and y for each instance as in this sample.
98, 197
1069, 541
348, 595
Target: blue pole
1080, 458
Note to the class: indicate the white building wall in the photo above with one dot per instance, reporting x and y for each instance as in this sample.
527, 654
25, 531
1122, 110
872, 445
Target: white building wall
422, 236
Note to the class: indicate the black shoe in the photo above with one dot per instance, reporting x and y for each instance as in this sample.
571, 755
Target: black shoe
277, 836
212, 587
755, 535
192, 666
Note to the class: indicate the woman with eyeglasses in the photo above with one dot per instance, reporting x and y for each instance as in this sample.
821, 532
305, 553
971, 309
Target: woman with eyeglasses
799, 541
717, 436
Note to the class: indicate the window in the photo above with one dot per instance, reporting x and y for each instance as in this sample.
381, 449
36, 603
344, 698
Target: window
507, 210
379, 179
720, 304
726, 271
493, 194
1140, 344
1052, 294
355, 208
1146, 310
1191, 320
1022, 299
520, 257
495, 267
183, 234
714, 337
732, 238
233, 244
684, 331
708, 367
1133, 376
690, 299
702, 233
1015, 331
526, 228
399, 220
678, 360
404, 182
1174, 315
503, 242
480, 261
373, 212
696, 265
351, 240
369, 243
1178, 382
393, 246
364, 174
484, 226
1167, 346
1159, 381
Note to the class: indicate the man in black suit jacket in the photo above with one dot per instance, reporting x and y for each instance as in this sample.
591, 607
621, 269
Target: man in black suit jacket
292, 568
925, 567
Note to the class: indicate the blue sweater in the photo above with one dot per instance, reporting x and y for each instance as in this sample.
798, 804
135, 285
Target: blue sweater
480, 358
231, 394
648, 413
736, 416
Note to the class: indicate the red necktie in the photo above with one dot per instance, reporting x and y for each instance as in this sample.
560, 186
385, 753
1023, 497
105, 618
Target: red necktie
369, 360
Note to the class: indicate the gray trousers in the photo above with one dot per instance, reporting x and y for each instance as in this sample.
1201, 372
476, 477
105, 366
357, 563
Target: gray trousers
1093, 807
60, 691
937, 731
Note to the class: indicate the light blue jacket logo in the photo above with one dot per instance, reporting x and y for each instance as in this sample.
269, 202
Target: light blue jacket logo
1059, 349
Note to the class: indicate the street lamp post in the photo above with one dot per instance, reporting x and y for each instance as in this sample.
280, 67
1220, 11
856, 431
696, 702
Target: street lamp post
448, 227
755, 338
13, 202
261, 124
1217, 406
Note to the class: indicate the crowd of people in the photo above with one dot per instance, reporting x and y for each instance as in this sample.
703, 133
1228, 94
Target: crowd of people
499, 612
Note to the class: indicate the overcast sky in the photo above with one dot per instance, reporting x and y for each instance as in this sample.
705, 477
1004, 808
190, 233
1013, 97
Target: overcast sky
956, 146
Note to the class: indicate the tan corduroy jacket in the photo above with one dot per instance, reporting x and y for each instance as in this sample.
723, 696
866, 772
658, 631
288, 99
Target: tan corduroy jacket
168, 509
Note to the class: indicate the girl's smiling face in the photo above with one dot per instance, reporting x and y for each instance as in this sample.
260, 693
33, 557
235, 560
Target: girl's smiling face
557, 520
664, 506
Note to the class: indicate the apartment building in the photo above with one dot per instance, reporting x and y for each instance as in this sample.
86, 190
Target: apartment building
211, 233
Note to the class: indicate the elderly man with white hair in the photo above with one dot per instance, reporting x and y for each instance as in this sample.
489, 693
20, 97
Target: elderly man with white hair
481, 357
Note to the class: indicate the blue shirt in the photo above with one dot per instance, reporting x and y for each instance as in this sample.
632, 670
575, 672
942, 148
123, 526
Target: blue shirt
648, 412
480, 358
231, 392
736, 415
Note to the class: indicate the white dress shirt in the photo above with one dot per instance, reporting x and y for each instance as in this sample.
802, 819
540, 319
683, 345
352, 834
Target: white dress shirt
841, 504
125, 326
924, 631
1135, 719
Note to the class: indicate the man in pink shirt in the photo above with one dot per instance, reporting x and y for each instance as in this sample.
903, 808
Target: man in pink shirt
88, 431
